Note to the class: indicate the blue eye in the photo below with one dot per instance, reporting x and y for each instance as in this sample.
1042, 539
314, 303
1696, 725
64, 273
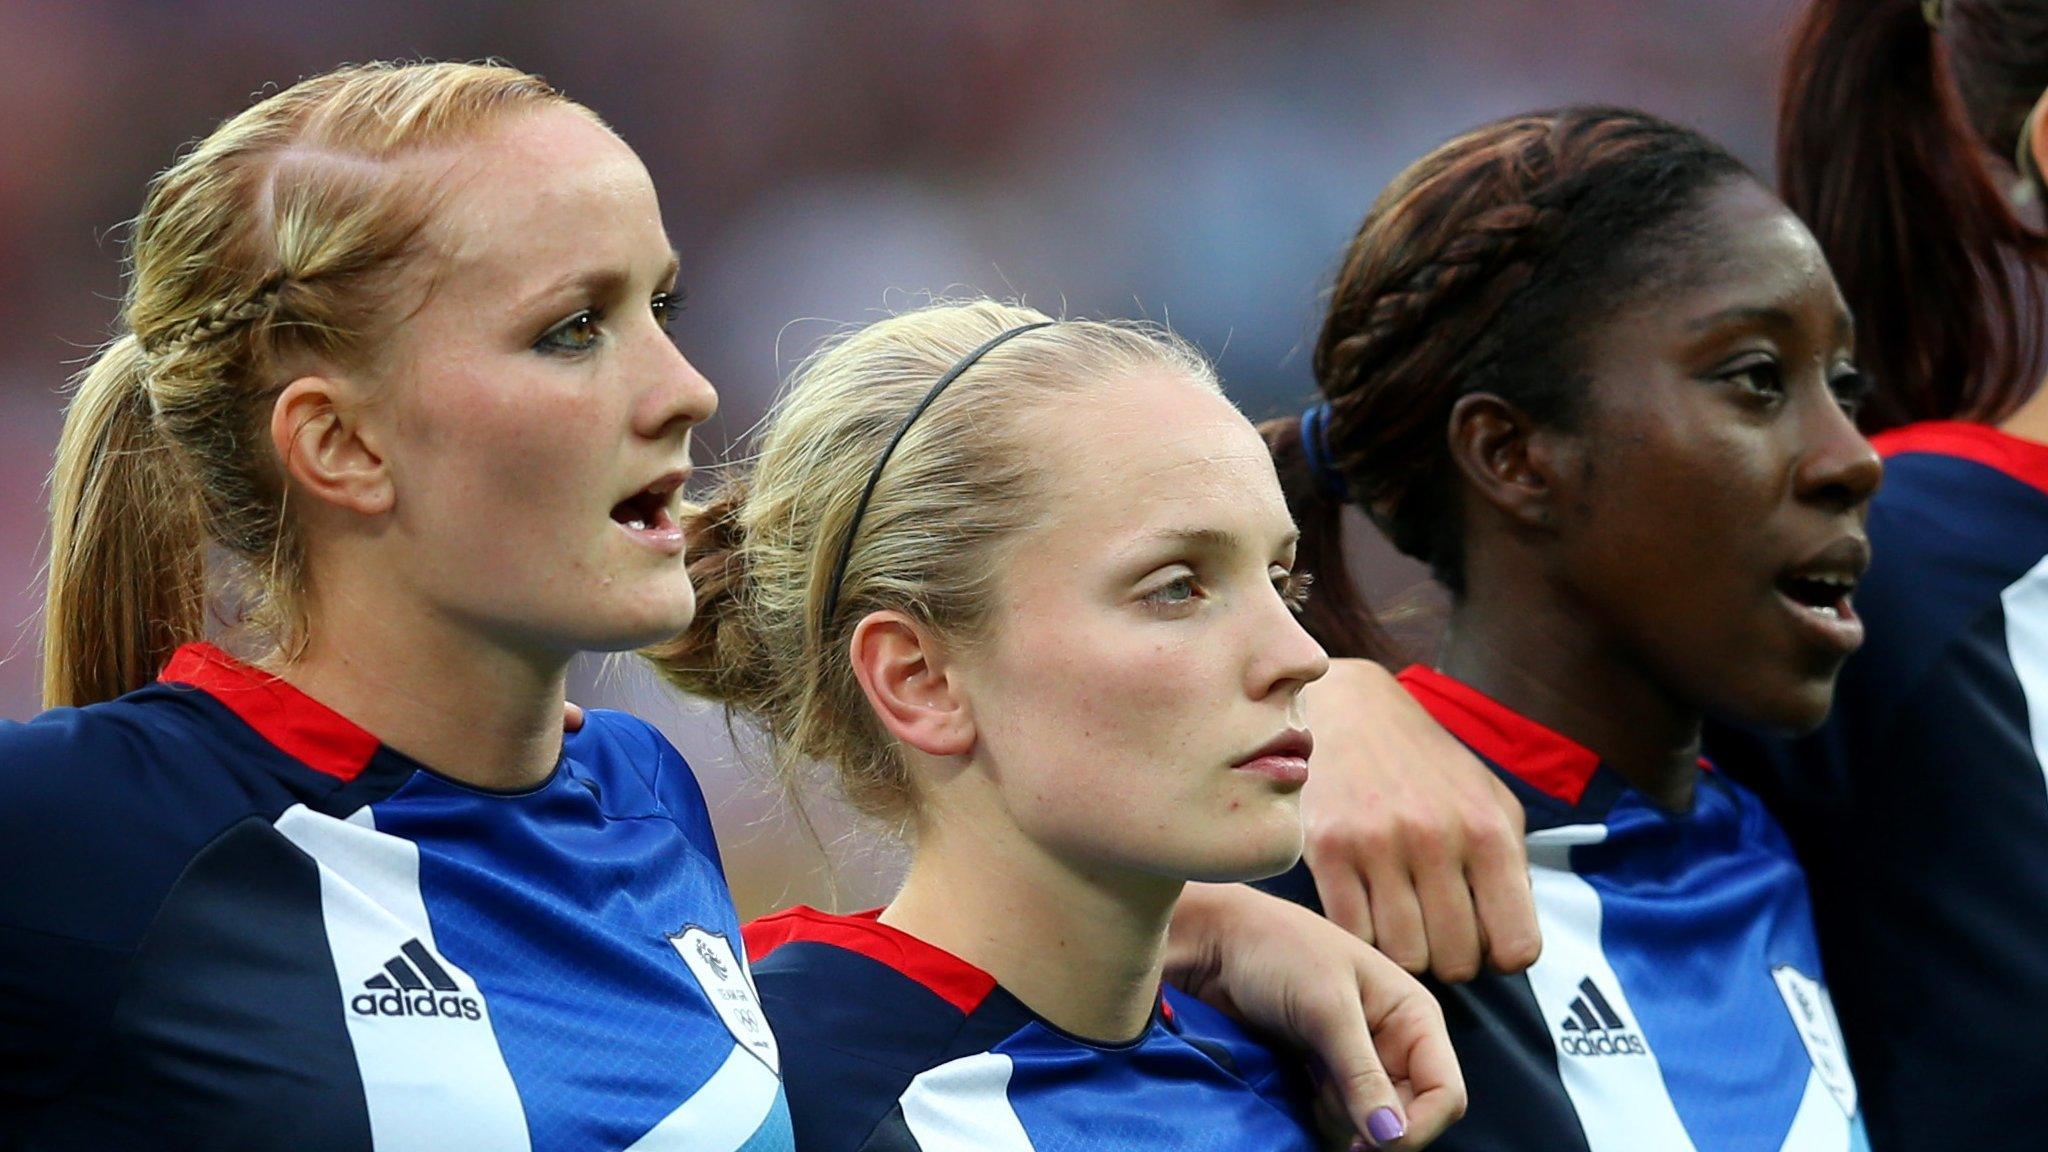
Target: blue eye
578, 333
1176, 595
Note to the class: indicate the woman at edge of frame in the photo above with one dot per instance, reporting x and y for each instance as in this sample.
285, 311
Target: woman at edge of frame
1911, 142
1587, 367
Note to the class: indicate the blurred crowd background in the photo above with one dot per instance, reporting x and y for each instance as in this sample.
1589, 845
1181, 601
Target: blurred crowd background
1199, 162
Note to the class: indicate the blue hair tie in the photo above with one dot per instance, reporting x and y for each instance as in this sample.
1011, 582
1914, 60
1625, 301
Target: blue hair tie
1314, 426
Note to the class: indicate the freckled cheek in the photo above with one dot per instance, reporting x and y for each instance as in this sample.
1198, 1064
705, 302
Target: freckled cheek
530, 452
1125, 723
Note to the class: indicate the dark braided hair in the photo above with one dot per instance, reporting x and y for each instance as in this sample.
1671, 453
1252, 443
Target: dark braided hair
1478, 270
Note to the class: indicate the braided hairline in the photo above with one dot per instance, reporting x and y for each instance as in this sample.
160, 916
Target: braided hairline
1485, 253
1493, 257
218, 320
1503, 246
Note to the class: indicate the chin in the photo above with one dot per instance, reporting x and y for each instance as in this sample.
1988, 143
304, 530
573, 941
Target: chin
1797, 710
644, 624
1254, 854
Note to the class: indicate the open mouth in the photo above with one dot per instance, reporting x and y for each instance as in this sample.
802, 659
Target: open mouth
1825, 595
650, 512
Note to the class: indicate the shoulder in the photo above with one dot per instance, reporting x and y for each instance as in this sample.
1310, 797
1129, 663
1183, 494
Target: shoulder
1226, 1042
859, 1011
102, 811
108, 801
621, 745
833, 978
1963, 514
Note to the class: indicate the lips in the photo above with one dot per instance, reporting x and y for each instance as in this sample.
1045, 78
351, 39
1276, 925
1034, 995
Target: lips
1818, 591
1283, 759
648, 515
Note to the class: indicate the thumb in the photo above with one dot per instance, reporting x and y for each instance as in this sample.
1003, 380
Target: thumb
572, 716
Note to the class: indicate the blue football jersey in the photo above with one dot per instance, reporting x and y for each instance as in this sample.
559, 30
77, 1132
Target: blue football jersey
1678, 1004
892, 1045
1921, 808
233, 919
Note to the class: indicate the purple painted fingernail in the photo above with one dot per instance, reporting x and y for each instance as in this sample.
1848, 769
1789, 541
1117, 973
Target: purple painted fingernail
1385, 1126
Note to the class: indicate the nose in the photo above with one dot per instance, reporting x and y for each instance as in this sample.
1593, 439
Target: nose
676, 398
1839, 468
1285, 656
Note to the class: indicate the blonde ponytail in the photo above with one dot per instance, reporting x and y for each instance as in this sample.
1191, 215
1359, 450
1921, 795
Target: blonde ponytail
127, 551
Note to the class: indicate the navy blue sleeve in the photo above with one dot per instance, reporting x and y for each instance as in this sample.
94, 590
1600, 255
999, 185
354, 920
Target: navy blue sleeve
102, 809
853, 1035
77, 898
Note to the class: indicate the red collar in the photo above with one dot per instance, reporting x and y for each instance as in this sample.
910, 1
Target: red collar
300, 726
1549, 761
947, 976
2023, 460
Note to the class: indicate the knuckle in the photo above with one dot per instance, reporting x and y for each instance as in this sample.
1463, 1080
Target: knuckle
1455, 969
1413, 958
1516, 954
1421, 833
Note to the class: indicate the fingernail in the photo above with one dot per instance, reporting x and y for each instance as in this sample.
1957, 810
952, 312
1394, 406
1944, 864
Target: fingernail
1385, 1126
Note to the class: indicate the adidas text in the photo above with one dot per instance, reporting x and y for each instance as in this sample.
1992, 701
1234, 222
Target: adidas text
1603, 1044
416, 1004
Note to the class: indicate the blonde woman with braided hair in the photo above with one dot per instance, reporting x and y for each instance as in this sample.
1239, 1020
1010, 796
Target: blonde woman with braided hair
392, 378
1024, 586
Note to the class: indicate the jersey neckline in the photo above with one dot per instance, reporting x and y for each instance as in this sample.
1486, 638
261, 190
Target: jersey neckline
305, 729
945, 975
298, 725
1543, 758
2023, 460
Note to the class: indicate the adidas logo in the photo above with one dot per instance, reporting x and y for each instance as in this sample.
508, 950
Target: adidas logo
1594, 1028
413, 983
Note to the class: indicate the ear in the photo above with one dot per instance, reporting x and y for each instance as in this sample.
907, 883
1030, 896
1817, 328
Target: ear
1511, 463
317, 429
904, 674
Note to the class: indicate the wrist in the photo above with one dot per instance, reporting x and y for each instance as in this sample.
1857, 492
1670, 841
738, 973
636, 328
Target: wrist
1194, 955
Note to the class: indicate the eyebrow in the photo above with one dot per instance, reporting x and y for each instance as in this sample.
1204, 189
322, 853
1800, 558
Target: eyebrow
603, 282
1764, 314
1215, 539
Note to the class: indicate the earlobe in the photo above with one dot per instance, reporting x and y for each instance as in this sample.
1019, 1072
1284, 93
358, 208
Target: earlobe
1504, 456
903, 672
322, 446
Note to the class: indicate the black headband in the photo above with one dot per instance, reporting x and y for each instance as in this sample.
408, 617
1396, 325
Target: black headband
875, 477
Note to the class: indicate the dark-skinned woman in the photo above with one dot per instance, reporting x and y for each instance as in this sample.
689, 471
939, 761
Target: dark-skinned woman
1911, 140
1591, 371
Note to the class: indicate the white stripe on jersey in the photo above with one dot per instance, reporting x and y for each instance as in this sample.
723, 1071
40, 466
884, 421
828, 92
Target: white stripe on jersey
964, 1106
1622, 1102
432, 1084
1820, 1125
723, 1115
2026, 641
